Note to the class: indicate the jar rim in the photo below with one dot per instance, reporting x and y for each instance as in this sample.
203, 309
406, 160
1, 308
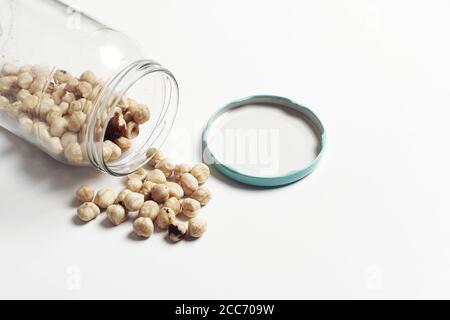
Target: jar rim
113, 91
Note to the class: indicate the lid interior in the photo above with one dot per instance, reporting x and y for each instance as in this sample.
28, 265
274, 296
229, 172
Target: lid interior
265, 137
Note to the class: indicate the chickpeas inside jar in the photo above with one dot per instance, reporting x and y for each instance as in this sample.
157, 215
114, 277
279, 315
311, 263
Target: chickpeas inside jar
86, 96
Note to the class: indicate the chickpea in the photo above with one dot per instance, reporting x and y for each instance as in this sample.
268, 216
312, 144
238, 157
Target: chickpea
68, 138
134, 201
190, 207
156, 176
202, 195
111, 151
132, 130
72, 85
58, 94
143, 227
89, 76
45, 106
123, 143
181, 169
85, 193
75, 106
68, 97
76, 121
29, 103
197, 227
85, 88
175, 190
189, 183
88, 211
166, 167
22, 94
107, 150
165, 217
73, 152
24, 80
62, 76
155, 156
160, 193
104, 198
6, 83
134, 185
53, 115
147, 189
121, 197
116, 214
58, 127
64, 107
116, 152
201, 172
140, 113
140, 174
150, 209
174, 204
37, 85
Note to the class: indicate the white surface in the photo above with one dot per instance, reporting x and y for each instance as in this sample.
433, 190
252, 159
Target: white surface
371, 222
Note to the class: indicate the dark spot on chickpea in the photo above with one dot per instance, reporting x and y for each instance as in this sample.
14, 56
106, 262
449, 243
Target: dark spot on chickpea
173, 229
176, 232
78, 94
116, 127
12, 92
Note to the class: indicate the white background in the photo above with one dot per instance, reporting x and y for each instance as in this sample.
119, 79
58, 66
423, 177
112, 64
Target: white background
373, 220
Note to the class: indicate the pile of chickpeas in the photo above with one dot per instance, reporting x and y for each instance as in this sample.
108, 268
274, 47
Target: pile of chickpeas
54, 107
159, 196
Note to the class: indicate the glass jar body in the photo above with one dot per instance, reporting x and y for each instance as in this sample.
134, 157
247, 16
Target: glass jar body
79, 90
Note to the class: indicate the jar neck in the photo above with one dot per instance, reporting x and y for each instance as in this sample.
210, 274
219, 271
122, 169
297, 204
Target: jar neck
149, 83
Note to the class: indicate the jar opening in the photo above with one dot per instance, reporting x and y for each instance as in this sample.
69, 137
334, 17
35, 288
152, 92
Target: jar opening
147, 83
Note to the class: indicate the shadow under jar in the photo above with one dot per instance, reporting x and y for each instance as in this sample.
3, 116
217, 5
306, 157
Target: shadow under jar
79, 90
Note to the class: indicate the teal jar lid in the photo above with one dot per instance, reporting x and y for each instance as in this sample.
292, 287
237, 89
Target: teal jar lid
264, 122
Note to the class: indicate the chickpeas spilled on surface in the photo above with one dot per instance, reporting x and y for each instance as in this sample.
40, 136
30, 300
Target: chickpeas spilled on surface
157, 197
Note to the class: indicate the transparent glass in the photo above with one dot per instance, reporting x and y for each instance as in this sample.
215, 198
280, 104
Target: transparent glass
88, 84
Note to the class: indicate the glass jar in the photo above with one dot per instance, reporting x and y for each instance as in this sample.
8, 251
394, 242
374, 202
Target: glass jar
80, 90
